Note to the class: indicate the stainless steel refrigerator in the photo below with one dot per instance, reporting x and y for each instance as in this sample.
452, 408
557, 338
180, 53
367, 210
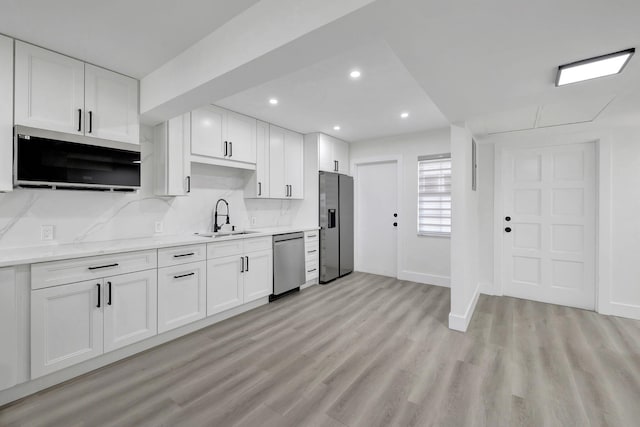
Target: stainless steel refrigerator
336, 226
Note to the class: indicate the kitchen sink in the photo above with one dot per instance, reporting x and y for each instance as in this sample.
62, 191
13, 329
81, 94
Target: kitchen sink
219, 234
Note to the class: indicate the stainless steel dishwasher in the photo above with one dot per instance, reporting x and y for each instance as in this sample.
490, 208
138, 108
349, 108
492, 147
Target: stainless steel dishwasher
288, 263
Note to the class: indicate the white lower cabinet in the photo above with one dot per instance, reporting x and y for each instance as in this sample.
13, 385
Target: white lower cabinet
130, 308
66, 326
258, 275
182, 295
77, 322
224, 283
8, 329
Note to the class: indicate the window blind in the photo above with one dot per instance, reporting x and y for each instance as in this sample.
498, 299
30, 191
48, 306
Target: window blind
434, 195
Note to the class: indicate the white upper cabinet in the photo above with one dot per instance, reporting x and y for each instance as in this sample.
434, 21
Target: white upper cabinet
286, 156
172, 156
111, 105
223, 134
49, 90
208, 130
258, 185
241, 137
6, 114
58, 93
333, 155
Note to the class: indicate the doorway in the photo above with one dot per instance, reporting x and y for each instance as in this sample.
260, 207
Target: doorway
376, 224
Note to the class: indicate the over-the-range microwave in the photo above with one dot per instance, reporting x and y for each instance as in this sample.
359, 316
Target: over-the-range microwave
50, 159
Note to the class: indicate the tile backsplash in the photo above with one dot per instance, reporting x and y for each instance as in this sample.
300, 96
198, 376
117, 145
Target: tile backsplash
82, 216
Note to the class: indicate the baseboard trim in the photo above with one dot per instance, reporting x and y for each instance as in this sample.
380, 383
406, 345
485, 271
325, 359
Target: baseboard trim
427, 279
488, 288
629, 311
461, 323
38, 384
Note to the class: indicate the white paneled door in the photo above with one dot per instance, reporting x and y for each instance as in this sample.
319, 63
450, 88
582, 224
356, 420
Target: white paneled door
376, 192
549, 224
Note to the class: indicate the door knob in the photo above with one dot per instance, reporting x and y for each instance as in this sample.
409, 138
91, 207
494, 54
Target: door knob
508, 218
508, 229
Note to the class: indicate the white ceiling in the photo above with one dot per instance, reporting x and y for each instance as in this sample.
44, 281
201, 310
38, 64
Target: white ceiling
133, 37
323, 95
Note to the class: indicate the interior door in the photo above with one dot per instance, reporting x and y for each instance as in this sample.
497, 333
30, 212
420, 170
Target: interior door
111, 105
208, 130
549, 224
49, 90
224, 283
376, 188
66, 326
277, 184
241, 134
130, 308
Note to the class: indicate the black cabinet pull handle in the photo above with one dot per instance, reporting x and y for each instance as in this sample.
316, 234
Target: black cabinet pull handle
247, 263
188, 184
230, 149
184, 275
99, 292
104, 266
183, 255
508, 219
311, 271
395, 224
79, 119
109, 300
225, 148
90, 121
311, 235
508, 229
259, 189
242, 264
310, 252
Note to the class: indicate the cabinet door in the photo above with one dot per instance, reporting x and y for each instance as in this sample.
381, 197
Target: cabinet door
277, 182
262, 161
49, 90
172, 156
182, 291
341, 154
208, 130
111, 105
258, 275
6, 114
224, 283
130, 308
294, 164
8, 329
241, 135
325, 154
66, 326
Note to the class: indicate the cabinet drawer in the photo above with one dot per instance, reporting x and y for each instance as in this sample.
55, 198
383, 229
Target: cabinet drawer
311, 270
258, 244
311, 236
223, 249
181, 255
311, 250
54, 273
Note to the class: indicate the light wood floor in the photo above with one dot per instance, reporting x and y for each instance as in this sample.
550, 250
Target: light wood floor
367, 351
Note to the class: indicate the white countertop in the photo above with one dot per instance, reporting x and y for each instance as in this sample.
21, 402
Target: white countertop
34, 254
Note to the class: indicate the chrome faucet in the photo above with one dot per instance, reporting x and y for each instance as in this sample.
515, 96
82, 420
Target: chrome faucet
216, 227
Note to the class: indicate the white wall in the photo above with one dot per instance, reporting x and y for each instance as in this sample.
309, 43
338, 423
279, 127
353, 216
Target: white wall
465, 245
424, 259
618, 262
80, 216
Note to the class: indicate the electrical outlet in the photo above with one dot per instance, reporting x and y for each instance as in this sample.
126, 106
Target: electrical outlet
159, 227
46, 232
253, 220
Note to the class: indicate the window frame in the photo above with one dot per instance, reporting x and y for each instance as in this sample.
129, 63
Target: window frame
432, 158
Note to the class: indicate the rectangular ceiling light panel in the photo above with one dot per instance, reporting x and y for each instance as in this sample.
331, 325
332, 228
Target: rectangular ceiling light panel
593, 68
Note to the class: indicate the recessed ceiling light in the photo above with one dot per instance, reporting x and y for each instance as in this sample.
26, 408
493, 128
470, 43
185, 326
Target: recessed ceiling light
336, 128
355, 74
600, 66
273, 101
404, 115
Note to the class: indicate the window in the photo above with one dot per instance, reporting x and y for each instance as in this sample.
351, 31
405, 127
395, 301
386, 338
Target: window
434, 195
